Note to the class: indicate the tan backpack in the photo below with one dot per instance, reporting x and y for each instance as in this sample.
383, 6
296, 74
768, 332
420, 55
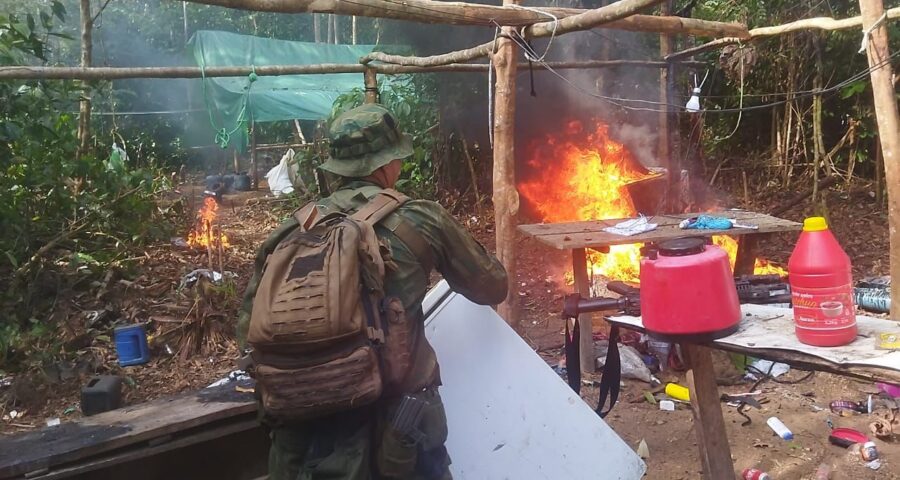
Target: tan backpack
324, 337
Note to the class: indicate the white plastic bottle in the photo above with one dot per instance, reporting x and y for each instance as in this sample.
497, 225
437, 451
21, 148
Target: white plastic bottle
780, 428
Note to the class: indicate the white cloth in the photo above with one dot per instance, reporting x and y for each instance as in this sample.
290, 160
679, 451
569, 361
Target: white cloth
279, 177
632, 227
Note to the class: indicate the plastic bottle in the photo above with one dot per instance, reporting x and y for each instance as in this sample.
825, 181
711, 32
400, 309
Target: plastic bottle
661, 351
780, 428
754, 474
821, 287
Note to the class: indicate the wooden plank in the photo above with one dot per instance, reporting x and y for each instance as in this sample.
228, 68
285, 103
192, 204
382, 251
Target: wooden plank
146, 451
52, 446
712, 439
590, 234
800, 360
585, 323
594, 237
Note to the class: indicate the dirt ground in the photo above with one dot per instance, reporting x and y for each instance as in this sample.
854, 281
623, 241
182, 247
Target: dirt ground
154, 297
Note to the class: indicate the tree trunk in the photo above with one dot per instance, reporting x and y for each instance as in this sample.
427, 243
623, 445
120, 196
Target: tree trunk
888, 130
818, 135
370, 79
505, 195
667, 120
84, 107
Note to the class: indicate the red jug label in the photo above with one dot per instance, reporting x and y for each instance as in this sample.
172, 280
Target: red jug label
823, 308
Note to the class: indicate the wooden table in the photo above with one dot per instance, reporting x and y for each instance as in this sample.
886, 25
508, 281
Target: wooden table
578, 236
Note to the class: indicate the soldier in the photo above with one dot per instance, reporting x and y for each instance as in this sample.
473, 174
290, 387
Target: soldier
367, 150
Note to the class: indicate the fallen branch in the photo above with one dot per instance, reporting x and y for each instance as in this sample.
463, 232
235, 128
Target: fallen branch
820, 23
793, 201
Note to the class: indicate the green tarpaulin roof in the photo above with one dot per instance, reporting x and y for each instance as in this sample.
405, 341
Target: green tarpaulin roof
235, 100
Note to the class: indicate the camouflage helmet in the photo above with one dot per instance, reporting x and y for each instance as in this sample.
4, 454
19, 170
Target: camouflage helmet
363, 140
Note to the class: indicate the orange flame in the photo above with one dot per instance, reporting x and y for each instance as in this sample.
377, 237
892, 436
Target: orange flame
203, 235
583, 174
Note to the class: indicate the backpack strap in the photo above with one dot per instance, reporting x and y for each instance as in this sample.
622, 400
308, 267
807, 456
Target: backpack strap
379, 210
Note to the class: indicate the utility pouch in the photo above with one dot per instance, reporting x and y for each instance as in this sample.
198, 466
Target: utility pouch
396, 351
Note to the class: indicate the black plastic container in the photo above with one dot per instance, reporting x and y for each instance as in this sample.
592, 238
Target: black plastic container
102, 393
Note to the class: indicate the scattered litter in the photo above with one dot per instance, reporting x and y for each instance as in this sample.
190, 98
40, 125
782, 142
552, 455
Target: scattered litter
190, 279
70, 410
891, 390
754, 474
643, 450
632, 227
823, 472
279, 177
846, 437
234, 376
179, 242
240, 389
845, 407
650, 398
780, 428
766, 367
14, 414
53, 422
6, 381
869, 452
760, 444
678, 392
667, 405
874, 464
632, 364
887, 341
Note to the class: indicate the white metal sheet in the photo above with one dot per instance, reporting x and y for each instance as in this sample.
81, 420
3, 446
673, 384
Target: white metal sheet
509, 415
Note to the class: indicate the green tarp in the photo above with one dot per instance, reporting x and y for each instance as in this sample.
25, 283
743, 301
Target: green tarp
235, 101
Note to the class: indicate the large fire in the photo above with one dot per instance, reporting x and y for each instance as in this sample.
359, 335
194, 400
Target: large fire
203, 234
583, 175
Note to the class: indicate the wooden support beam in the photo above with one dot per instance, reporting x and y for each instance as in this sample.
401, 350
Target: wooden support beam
712, 439
585, 320
820, 23
370, 79
461, 13
610, 15
505, 195
664, 150
886, 113
116, 73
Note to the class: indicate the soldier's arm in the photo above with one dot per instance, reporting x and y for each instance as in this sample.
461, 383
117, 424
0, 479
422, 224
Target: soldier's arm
465, 264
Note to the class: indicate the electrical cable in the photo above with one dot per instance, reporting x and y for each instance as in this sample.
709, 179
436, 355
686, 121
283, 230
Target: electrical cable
741, 100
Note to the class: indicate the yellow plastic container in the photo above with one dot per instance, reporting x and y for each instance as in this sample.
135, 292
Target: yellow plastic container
678, 392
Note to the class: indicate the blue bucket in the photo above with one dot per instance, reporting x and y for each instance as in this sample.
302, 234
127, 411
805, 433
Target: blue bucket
131, 345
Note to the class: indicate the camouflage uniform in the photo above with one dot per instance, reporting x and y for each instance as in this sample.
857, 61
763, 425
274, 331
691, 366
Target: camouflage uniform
359, 444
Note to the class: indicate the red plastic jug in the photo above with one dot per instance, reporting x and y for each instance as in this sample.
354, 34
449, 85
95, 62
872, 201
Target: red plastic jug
821, 287
688, 292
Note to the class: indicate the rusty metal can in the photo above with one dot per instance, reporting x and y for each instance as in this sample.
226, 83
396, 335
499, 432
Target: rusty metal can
869, 452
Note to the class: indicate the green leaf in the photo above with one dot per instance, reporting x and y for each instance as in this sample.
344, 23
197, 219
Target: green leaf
11, 258
58, 9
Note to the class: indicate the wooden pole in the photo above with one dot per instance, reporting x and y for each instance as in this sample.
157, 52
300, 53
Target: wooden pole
253, 165
888, 130
505, 195
370, 79
664, 151
115, 73
353, 30
585, 320
236, 160
709, 423
84, 106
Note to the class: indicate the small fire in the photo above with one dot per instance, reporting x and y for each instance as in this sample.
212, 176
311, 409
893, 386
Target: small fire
583, 175
203, 235
761, 267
